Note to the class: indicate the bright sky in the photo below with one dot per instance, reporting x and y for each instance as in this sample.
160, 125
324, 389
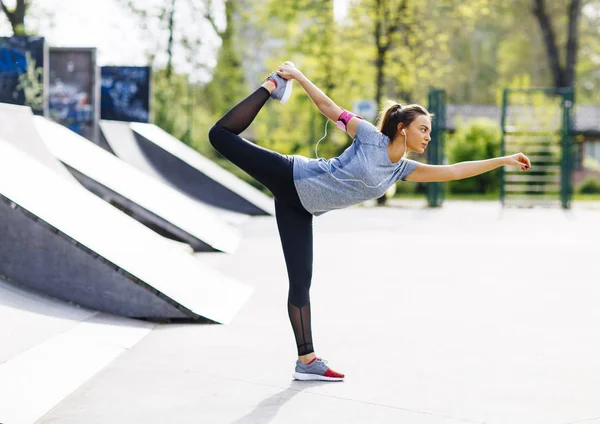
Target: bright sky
105, 25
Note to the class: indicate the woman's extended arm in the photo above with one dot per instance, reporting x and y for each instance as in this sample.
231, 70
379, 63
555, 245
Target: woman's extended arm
441, 173
320, 99
325, 105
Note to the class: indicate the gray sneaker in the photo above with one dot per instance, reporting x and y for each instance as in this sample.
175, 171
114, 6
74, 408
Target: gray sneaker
317, 369
283, 90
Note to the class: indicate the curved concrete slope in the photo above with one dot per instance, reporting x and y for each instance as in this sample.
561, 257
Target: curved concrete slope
154, 151
60, 239
149, 199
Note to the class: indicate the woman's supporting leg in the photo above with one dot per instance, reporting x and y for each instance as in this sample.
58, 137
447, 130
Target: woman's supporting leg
264, 165
296, 233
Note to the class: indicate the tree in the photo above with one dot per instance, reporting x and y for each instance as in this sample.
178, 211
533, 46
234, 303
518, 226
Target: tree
305, 32
563, 74
171, 14
310, 32
403, 45
388, 25
166, 24
16, 16
588, 58
228, 85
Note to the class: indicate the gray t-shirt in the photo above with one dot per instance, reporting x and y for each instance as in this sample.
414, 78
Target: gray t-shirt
363, 171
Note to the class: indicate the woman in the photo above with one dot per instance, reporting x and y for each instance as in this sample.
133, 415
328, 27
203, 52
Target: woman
304, 187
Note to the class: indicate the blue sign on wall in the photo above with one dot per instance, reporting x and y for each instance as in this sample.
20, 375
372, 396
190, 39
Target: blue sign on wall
125, 93
22, 70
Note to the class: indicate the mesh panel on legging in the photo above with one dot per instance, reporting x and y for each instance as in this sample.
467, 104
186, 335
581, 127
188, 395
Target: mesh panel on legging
242, 114
300, 319
296, 234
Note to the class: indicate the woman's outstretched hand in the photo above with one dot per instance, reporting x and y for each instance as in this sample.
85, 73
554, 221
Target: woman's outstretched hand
287, 70
519, 159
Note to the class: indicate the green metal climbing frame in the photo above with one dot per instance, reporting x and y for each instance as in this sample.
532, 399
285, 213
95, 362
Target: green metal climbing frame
538, 122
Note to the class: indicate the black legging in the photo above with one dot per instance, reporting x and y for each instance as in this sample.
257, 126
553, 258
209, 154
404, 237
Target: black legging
275, 172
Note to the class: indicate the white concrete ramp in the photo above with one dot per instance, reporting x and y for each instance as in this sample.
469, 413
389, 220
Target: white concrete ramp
149, 200
154, 151
16, 125
49, 349
60, 239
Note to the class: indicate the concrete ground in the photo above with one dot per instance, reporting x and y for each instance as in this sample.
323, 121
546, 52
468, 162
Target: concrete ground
464, 314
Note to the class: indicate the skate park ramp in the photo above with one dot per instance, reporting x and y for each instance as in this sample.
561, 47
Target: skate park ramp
16, 123
157, 153
146, 199
62, 240
50, 348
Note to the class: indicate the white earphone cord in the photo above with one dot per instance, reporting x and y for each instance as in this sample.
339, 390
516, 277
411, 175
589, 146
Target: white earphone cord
330, 172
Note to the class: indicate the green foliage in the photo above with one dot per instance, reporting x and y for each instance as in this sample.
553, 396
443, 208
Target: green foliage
305, 33
176, 109
170, 98
472, 48
477, 140
228, 85
19, 29
32, 84
590, 185
180, 108
588, 77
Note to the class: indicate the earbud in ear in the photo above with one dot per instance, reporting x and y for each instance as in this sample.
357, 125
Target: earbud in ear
403, 132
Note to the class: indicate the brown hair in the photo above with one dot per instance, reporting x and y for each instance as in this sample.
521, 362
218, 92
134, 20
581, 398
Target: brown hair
394, 113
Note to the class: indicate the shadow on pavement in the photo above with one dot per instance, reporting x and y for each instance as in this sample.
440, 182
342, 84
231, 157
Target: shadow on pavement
266, 410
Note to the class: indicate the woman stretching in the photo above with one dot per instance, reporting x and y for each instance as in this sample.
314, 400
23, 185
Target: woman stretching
304, 187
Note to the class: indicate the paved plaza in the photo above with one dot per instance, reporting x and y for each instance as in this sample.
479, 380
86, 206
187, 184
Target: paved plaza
464, 314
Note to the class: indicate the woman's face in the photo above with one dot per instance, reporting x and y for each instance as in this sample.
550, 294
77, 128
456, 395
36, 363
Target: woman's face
418, 134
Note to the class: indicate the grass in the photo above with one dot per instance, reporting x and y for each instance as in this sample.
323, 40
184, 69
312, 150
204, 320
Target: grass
451, 196
491, 197
587, 197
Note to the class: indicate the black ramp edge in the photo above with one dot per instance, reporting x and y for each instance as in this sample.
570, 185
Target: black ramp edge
126, 147
198, 176
154, 151
147, 199
103, 143
60, 239
146, 217
37, 255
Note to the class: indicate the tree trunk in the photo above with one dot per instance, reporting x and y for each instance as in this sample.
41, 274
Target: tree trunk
380, 63
572, 43
326, 47
563, 76
380, 34
170, 43
16, 17
328, 43
380, 78
232, 56
539, 10
379, 67
385, 27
